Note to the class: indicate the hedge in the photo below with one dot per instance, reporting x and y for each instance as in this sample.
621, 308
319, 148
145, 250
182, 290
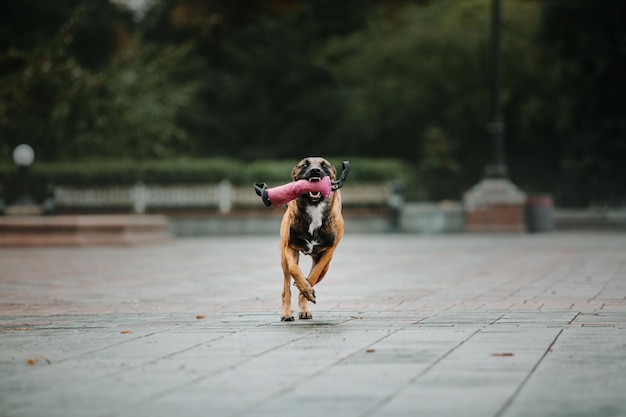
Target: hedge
98, 173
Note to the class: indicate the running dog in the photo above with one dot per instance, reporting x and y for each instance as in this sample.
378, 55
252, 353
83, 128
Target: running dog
312, 225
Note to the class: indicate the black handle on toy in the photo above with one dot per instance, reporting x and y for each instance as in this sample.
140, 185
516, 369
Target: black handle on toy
261, 191
345, 170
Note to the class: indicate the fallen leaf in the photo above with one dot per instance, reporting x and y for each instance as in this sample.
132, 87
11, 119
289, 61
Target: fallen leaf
503, 354
370, 350
33, 361
126, 332
201, 317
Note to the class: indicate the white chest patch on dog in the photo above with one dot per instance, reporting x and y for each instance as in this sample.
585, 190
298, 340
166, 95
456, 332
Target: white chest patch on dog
317, 215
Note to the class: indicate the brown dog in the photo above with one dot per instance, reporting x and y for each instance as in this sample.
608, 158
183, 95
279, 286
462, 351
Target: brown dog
312, 225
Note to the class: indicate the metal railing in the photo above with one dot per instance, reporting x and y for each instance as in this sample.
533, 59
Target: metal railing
222, 196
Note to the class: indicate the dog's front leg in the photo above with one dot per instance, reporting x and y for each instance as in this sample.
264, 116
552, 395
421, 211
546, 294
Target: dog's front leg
318, 271
287, 313
291, 268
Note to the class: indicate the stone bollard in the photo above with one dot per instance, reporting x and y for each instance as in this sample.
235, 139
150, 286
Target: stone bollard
48, 207
494, 205
2, 204
538, 214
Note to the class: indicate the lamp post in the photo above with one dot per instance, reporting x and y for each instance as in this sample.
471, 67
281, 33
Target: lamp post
495, 204
497, 168
23, 156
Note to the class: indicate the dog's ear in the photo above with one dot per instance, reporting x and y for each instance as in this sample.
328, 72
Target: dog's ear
294, 171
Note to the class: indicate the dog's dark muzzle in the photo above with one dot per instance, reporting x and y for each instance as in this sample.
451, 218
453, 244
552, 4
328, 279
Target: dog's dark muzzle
316, 174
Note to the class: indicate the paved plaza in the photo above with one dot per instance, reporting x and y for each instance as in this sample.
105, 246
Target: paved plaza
404, 325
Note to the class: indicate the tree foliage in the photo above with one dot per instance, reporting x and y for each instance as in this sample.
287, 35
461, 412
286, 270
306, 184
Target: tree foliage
589, 38
426, 68
260, 79
71, 98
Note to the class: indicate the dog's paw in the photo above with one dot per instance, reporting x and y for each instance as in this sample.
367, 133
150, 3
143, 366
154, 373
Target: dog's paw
309, 294
287, 318
305, 315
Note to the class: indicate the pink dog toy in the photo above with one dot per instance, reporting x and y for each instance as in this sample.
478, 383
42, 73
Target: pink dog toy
283, 194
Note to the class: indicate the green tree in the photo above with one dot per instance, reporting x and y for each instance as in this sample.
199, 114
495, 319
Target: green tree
438, 170
267, 96
26, 23
69, 102
427, 65
589, 38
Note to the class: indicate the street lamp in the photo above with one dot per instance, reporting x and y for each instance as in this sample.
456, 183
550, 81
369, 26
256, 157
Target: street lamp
495, 204
24, 156
497, 168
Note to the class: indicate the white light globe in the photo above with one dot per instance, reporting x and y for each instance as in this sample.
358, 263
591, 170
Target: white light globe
23, 155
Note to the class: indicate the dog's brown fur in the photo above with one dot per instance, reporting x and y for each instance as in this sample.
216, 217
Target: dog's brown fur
314, 227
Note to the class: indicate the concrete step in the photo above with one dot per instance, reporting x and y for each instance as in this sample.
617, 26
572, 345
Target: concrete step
82, 230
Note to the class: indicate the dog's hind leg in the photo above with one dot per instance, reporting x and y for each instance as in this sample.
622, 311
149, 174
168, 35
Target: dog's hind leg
319, 271
303, 309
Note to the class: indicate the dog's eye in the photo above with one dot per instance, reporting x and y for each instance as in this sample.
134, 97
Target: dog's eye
305, 164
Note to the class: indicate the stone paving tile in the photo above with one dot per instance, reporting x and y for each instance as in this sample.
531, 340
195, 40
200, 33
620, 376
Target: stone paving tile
602, 318
471, 325
476, 378
553, 318
584, 371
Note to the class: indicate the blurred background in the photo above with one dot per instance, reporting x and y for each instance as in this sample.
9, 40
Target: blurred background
116, 91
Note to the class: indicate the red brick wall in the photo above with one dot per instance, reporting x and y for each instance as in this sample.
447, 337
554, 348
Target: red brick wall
498, 218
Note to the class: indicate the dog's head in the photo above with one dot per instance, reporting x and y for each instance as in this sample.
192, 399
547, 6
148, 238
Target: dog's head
313, 169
